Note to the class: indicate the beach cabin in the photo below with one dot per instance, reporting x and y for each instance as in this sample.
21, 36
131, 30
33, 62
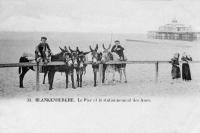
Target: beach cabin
174, 31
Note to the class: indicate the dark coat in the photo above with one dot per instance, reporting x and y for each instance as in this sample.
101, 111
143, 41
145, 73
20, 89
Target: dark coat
186, 74
118, 50
41, 49
175, 68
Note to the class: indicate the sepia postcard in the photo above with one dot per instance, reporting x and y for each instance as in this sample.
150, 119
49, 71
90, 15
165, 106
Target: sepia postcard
99, 66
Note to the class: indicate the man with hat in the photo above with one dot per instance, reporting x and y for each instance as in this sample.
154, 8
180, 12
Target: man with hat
43, 51
118, 49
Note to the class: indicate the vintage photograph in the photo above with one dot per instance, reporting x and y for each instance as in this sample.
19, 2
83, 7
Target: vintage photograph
92, 66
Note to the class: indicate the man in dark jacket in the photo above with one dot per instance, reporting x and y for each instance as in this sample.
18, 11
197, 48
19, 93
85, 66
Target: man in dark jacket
118, 49
43, 51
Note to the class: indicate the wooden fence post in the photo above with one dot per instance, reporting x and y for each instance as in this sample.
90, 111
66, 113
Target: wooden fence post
100, 73
156, 76
37, 77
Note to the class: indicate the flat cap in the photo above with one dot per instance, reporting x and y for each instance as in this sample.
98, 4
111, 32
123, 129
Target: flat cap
43, 37
117, 41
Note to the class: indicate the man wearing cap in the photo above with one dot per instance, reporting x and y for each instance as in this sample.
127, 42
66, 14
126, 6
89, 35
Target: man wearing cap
43, 51
118, 49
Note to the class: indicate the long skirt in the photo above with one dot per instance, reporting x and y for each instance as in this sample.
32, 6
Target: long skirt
186, 75
175, 72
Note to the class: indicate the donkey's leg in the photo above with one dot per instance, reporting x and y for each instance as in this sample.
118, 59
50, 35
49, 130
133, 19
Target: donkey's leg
53, 73
95, 78
21, 76
81, 75
106, 76
72, 79
51, 78
124, 70
66, 74
77, 73
104, 71
120, 74
113, 73
45, 73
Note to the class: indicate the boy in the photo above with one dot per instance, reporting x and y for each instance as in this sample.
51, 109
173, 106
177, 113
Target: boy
118, 49
43, 51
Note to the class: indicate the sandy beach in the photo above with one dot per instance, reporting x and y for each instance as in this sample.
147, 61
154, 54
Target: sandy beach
141, 77
172, 106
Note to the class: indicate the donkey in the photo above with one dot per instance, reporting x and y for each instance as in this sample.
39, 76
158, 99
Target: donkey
67, 57
81, 67
112, 68
23, 70
109, 68
96, 58
79, 64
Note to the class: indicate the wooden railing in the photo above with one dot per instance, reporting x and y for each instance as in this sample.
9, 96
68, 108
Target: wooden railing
100, 66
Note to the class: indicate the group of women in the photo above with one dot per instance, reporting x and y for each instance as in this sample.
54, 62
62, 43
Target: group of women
176, 72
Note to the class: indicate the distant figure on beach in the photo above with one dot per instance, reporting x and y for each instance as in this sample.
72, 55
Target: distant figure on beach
186, 75
175, 66
43, 51
119, 50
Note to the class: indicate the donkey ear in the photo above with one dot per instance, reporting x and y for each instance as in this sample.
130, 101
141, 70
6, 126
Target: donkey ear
66, 49
90, 48
109, 46
96, 47
70, 49
77, 49
85, 53
103, 46
61, 49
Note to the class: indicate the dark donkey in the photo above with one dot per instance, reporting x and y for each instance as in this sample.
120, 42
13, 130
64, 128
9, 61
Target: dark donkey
96, 58
81, 66
67, 57
23, 70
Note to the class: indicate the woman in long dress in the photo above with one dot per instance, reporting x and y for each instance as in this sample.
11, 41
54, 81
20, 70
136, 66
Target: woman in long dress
186, 75
175, 66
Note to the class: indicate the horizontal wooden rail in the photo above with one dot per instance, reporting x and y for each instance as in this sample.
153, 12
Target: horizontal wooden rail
56, 63
60, 63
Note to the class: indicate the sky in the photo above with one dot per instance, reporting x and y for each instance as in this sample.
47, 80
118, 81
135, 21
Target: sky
116, 16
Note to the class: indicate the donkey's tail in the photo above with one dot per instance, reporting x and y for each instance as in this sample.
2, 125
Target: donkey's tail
19, 70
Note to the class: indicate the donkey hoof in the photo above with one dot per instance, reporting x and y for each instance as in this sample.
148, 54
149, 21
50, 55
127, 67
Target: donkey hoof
50, 88
21, 86
125, 81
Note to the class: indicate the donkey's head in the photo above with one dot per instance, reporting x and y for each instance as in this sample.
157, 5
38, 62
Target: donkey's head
74, 56
82, 57
107, 55
95, 55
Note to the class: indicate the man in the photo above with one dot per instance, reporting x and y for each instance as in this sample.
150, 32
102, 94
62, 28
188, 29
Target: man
43, 51
118, 49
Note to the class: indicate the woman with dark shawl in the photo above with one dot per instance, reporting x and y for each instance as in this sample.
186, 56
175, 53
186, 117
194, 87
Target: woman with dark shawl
175, 66
186, 75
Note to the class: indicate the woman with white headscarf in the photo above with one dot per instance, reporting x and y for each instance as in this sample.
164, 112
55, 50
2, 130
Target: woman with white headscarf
186, 75
175, 66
